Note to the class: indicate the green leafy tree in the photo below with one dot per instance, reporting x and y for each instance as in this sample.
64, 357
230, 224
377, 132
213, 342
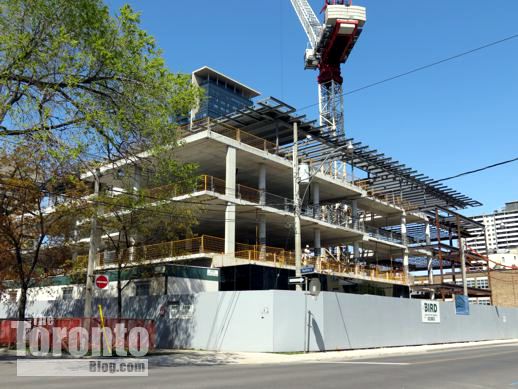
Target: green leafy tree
83, 81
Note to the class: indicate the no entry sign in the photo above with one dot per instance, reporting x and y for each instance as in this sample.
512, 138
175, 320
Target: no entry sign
101, 281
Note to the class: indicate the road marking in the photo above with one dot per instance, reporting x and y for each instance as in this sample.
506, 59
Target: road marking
366, 363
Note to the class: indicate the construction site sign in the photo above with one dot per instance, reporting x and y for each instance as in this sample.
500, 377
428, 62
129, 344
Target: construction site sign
430, 312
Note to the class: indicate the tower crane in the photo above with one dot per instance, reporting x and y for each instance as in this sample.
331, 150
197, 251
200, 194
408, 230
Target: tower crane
330, 44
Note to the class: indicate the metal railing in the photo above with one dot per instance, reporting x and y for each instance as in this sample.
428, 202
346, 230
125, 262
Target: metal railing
233, 133
275, 256
334, 169
330, 213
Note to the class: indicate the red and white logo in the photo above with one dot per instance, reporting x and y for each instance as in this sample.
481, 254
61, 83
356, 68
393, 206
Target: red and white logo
101, 281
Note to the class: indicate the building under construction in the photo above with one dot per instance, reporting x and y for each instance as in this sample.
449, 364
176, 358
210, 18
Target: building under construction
366, 221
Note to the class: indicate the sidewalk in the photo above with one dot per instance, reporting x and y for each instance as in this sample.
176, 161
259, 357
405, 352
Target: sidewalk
188, 357
212, 358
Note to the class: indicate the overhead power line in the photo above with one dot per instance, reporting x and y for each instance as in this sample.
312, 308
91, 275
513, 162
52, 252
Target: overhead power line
420, 68
478, 170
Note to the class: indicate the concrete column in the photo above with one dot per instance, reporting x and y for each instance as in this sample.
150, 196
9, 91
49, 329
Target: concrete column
316, 242
262, 184
230, 211
403, 229
137, 178
428, 240
356, 251
427, 233
262, 217
404, 239
315, 193
354, 214
75, 234
230, 172
405, 264
262, 235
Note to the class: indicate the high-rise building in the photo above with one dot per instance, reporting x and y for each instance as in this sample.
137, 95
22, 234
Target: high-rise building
501, 230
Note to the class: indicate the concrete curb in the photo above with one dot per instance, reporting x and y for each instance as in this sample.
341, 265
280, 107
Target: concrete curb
183, 357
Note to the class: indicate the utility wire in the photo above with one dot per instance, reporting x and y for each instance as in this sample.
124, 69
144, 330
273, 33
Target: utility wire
478, 170
418, 69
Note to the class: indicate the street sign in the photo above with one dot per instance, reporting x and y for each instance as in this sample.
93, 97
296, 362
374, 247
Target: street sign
307, 269
101, 281
430, 312
296, 280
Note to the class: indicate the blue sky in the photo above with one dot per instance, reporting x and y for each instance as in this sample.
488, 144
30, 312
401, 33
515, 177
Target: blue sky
445, 120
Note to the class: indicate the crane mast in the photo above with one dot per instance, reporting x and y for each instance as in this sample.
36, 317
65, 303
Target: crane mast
330, 44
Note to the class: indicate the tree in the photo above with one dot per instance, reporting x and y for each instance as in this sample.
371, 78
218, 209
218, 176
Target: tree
82, 81
90, 88
37, 216
133, 217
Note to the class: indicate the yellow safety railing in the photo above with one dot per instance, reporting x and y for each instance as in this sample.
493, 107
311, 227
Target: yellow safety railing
230, 132
242, 136
390, 198
278, 257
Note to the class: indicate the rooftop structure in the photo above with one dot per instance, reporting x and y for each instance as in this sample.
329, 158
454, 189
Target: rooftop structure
222, 94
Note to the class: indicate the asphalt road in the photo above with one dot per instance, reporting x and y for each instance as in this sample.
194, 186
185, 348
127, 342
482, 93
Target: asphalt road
474, 367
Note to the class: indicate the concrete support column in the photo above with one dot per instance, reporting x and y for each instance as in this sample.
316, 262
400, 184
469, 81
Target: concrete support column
354, 214
316, 242
315, 194
262, 184
262, 216
262, 235
356, 226
405, 264
137, 178
427, 233
356, 251
404, 240
428, 240
230, 211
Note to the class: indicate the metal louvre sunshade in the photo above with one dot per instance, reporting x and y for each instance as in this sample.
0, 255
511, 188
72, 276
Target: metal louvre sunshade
272, 119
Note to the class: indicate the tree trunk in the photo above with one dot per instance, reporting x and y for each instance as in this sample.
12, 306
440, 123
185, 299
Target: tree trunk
119, 292
22, 304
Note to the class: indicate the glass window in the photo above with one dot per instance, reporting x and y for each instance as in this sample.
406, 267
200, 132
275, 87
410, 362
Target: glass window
483, 283
67, 292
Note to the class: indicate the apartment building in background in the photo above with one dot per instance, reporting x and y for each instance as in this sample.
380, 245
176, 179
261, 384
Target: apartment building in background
500, 234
